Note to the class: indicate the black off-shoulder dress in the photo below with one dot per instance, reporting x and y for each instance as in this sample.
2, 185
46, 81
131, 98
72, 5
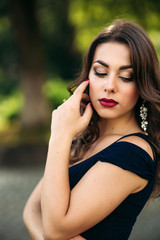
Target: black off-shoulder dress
118, 225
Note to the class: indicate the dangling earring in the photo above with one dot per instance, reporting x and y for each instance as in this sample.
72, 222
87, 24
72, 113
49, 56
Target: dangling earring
143, 114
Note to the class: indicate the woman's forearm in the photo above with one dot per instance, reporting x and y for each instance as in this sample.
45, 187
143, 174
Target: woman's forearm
33, 221
55, 193
32, 215
33, 218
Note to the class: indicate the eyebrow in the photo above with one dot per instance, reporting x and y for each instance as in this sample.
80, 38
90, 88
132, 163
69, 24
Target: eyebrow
107, 66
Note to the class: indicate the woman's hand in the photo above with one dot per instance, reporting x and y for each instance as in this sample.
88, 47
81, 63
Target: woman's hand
67, 117
67, 122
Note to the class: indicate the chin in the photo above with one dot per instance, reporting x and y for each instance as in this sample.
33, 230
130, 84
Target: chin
107, 116
107, 113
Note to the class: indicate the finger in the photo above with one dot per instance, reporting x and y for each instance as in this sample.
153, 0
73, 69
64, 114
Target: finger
88, 113
80, 90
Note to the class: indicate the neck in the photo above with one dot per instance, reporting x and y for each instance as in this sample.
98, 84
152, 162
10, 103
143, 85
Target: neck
119, 126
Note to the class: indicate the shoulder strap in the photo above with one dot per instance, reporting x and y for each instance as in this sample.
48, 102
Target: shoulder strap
141, 135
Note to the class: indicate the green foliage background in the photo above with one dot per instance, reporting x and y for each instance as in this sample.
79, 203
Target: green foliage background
85, 20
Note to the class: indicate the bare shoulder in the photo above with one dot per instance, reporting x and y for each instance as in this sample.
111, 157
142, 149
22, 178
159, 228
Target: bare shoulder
140, 142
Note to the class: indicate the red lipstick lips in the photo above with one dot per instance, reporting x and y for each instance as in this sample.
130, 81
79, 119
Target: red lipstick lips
107, 102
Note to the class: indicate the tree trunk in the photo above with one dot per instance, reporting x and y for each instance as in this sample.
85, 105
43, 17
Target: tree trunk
35, 111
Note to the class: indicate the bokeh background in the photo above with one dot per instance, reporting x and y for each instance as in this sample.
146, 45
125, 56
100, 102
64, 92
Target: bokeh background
42, 44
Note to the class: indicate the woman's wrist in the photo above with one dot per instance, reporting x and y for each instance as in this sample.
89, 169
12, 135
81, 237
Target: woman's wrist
61, 137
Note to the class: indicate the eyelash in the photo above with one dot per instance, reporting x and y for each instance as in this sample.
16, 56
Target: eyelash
105, 74
100, 74
127, 79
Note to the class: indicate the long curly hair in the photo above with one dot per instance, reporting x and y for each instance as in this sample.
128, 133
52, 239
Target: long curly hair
146, 73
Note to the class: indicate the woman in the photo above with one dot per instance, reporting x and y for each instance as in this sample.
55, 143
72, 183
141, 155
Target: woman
115, 153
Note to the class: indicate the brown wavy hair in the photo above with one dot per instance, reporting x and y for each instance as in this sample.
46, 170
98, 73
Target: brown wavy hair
147, 77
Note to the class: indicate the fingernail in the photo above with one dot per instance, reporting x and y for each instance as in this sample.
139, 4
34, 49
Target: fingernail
87, 80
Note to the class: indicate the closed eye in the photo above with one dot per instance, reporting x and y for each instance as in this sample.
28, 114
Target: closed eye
130, 79
100, 74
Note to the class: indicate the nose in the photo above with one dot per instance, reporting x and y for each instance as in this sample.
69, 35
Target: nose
110, 84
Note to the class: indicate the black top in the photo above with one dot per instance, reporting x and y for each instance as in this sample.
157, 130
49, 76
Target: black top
118, 225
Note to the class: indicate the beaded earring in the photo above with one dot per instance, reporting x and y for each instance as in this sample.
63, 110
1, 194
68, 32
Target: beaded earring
143, 115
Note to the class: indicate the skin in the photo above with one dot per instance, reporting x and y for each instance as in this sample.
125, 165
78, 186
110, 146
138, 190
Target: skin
116, 82
55, 212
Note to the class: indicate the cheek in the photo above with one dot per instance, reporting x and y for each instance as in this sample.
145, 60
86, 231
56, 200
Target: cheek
133, 95
92, 89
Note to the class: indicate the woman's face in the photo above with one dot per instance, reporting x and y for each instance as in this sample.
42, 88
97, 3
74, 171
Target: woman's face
112, 89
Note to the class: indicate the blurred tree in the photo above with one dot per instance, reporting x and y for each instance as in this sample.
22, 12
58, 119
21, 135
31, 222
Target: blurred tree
58, 33
8, 57
32, 74
62, 58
